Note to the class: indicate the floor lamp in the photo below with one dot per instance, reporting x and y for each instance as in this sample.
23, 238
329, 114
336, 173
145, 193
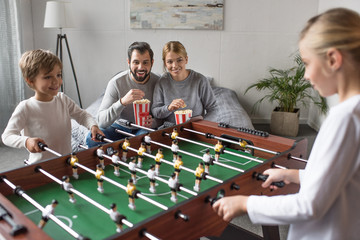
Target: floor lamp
59, 15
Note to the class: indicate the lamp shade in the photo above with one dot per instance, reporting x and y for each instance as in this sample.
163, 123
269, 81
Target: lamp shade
58, 15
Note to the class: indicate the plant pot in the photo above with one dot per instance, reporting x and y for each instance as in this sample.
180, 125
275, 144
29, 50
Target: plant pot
285, 123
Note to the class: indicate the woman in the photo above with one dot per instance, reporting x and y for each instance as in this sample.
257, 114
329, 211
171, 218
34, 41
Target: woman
181, 88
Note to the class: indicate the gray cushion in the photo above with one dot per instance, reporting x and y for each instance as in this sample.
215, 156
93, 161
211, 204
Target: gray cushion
229, 111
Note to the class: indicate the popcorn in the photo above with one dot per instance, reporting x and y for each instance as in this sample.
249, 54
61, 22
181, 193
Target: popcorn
141, 101
182, 116
141, 111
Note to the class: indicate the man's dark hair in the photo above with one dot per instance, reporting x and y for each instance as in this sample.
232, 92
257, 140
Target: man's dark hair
142, 47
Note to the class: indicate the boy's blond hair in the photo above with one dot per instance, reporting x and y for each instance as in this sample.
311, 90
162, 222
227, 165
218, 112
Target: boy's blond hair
31, 62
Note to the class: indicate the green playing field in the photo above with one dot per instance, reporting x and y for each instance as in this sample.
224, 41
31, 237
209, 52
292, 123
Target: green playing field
90, 221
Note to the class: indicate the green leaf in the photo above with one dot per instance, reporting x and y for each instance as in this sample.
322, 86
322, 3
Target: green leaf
288, 88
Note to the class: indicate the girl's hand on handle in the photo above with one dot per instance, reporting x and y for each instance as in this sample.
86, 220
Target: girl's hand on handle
277, 175
231, 207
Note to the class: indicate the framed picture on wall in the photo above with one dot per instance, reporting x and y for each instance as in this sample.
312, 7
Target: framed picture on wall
174, 14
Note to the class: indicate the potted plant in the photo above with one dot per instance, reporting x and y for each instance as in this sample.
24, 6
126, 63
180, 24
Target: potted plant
289, 89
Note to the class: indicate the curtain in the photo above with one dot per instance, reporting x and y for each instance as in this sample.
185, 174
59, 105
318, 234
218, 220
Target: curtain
11, 83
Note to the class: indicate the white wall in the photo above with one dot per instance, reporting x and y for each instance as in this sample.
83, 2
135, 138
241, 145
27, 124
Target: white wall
257, 34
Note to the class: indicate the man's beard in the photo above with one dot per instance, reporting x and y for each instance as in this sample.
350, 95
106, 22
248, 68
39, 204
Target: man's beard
139, 79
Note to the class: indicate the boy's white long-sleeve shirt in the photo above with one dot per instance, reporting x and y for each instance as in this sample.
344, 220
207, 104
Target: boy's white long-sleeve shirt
50, 121
327, 205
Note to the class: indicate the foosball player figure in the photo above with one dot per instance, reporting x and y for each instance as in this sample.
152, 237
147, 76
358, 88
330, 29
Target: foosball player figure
219, 148
66, 185
173, 184
98, 174
207, 160
199, 174
174, 149
73, 161
124, 147
147, 140
177, 166
132, 168
131, 191
158, 158
48, 210
100, 153
244, 145
174, 134
140, 152
151, 175
115, 160
116, 217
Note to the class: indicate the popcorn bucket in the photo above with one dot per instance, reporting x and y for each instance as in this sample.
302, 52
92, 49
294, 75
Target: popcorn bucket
141, 111
182, 116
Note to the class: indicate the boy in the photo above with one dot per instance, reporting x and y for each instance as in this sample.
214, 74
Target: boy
45, 117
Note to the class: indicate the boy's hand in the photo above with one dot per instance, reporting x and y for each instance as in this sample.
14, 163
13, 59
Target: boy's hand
95, 130
32, 144
230, 207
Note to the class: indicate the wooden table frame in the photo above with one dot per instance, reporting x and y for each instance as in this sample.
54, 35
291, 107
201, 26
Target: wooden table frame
203, 221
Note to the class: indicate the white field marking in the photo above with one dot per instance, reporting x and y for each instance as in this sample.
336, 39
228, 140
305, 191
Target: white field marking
159, 194
70, 223
31, 212
221, 159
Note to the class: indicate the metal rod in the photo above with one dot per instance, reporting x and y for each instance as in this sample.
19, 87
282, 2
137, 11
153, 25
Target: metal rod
83, 196
228, 152
52, 151
299, 159
142, 127
187, 153
144, 172
231, 141
42, 209
279, 166
121, 186
149, 236
139, 195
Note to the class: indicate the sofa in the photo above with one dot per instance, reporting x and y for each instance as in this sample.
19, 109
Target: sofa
229, 112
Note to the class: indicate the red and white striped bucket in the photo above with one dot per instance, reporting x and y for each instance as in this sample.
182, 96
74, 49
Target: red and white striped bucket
141, 111
182, 116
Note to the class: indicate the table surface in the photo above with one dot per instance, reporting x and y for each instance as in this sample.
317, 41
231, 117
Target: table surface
81, 215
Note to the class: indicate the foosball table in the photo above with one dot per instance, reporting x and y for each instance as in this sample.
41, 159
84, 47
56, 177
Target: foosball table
245, 155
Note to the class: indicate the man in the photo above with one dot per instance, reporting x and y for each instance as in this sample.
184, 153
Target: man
123, 89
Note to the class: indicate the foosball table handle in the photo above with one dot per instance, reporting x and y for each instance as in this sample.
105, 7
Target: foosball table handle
100, 137
179, 214
15, 228
263, 177
219, 195
234, 186
42, 146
